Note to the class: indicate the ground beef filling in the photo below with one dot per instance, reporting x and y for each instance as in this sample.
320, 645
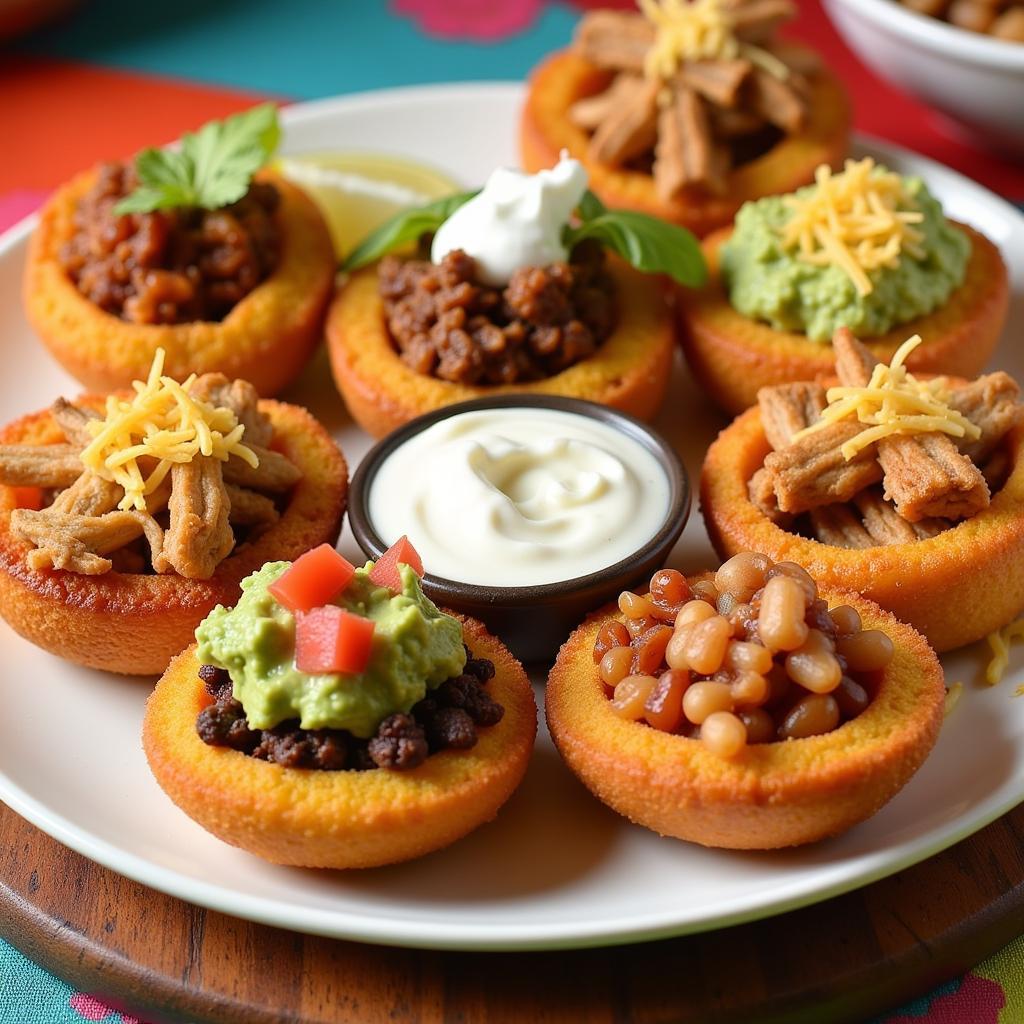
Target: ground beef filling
445, 324
169, 266
447, 718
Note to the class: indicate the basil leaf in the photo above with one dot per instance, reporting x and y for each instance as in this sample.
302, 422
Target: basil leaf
590, 206
649, 244
407, 226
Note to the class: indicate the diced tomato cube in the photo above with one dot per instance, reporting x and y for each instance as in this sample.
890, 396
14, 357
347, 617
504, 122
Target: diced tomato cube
27, 497
385, 572
330, 639
313, 579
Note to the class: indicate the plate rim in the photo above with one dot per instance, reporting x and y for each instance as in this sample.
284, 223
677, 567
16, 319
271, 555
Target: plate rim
391, 930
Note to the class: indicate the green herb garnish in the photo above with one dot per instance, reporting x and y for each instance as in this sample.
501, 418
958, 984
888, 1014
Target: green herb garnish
649, 244
407, 226
213, 168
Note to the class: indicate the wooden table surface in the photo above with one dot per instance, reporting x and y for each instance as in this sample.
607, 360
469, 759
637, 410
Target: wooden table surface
842, 960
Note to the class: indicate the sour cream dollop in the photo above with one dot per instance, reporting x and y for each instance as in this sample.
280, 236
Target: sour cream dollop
515, 221
517, 497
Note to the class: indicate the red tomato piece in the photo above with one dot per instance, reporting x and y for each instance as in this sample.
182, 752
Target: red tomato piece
330, 639
314, 578
385, 571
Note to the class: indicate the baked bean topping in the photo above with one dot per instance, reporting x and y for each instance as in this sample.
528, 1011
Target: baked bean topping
616, 665
631, 695
669, 589
446, 324
633, 606
664, 705
705, 590
612, 634
754, 657
169, 266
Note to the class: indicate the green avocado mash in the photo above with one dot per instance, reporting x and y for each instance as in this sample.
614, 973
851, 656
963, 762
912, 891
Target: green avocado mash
415, 647
766, 283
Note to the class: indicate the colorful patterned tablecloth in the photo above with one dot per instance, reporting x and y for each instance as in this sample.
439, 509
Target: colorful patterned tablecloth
168, 67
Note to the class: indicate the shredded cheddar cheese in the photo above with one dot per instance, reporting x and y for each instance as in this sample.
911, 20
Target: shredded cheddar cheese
893, 402
953, 694
688, 30
141, 438
858, 220
999, 642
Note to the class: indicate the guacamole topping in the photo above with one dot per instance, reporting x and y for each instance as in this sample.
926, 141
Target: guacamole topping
766, 282
415, 648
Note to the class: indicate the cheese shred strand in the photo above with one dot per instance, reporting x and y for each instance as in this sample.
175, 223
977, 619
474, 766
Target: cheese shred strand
141, 438
893, 402
999, 643
859, 220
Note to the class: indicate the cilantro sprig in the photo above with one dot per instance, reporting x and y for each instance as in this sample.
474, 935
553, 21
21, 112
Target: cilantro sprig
648, 244
213, 168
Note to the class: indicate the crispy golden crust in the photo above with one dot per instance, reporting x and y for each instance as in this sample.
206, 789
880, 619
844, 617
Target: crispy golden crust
629, 371
733, 356
545, 129
266, 339
339, 819
135, 624
771, 795
955, 588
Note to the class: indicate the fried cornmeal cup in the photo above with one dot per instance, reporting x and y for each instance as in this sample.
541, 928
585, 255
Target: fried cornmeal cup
955, 587
733, 356
546, 129
134, 623
770, 795
629, 370
339, 819
266, 338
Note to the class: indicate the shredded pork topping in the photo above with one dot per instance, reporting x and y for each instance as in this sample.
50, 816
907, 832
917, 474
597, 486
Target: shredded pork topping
929, 477
163, 482
888, 400
697, 84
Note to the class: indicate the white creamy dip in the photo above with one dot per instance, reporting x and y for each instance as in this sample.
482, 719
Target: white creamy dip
515, 221
514, 497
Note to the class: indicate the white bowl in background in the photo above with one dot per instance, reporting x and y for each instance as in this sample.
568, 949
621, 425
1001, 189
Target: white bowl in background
974, 79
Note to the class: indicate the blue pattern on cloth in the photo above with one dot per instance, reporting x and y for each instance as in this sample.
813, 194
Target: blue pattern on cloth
302, 49
28, 995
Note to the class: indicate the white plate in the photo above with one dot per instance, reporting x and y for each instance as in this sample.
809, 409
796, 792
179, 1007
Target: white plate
556, 868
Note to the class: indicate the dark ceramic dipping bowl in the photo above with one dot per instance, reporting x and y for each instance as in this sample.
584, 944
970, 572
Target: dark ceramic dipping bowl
534, 621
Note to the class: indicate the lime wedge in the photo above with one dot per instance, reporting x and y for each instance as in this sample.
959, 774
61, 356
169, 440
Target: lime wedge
357, 192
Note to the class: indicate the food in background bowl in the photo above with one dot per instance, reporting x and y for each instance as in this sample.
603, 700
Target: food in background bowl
910, 492
745, 710
227, 271
515, 295
1001, 19
122, 523
336, 718
865, 249
975, 79
686, 110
